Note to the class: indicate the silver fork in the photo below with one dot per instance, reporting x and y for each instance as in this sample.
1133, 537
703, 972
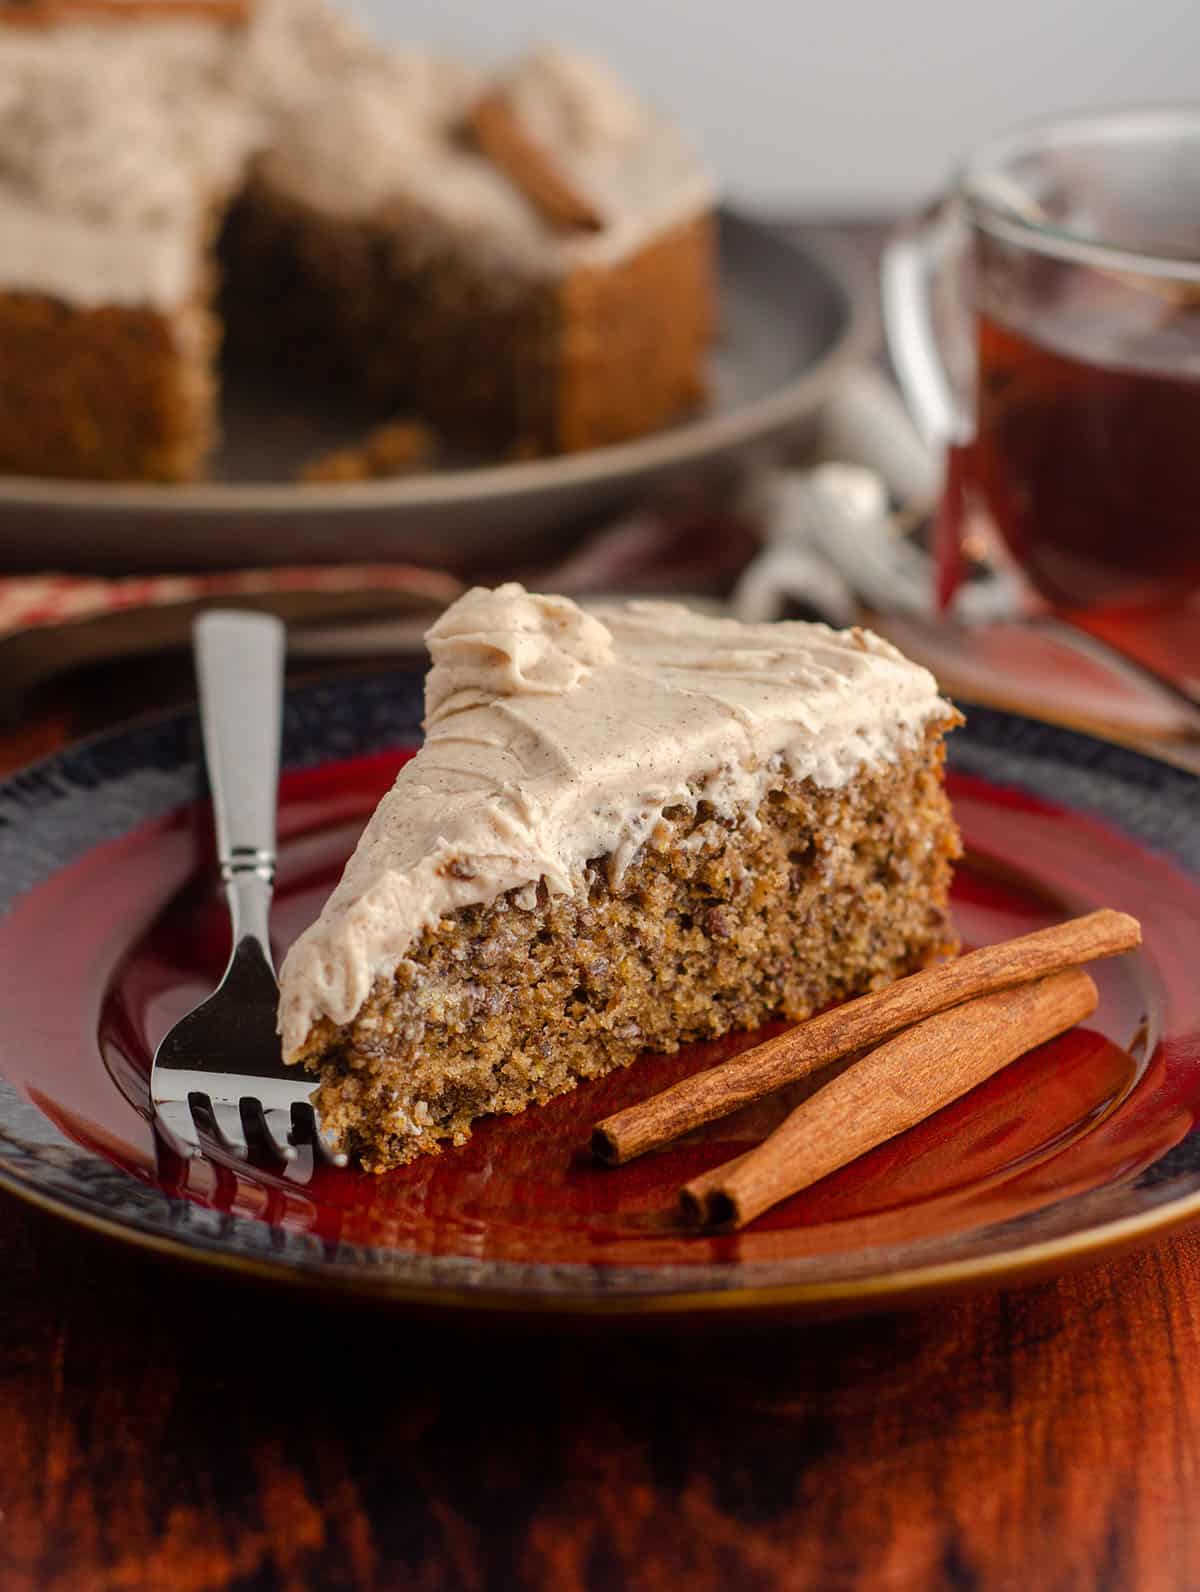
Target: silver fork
218, 1078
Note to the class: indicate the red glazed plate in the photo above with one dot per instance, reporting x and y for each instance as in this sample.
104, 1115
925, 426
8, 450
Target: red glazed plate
113, 927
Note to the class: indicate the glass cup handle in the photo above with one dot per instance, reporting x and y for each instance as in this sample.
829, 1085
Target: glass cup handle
914, 259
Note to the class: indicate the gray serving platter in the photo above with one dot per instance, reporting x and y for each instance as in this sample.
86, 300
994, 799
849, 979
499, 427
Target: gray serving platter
793, 318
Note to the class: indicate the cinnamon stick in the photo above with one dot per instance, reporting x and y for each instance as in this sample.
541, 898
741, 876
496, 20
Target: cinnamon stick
500, 136
810, 1046
888, 1091
48, 13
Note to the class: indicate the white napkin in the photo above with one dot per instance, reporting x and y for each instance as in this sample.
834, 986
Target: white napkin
834, 534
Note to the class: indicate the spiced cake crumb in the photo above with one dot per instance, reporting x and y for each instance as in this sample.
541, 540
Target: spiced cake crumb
400, 447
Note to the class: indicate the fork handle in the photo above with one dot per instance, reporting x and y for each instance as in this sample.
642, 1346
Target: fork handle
239, 671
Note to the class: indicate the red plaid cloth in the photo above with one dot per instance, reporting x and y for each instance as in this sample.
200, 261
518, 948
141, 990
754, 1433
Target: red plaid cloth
34, 601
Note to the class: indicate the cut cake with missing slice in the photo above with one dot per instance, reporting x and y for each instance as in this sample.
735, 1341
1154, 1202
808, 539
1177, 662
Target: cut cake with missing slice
522, 254
627, 829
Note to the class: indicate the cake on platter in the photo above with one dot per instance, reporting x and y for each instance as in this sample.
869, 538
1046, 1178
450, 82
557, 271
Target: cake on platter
627, 828
519, 255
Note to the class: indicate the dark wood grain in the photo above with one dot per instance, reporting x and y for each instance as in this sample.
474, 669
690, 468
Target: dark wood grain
165, 1430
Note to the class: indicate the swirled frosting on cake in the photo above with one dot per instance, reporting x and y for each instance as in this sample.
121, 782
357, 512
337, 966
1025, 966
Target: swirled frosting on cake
556, 737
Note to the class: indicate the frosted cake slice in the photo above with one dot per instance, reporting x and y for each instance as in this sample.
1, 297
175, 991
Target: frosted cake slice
627, 829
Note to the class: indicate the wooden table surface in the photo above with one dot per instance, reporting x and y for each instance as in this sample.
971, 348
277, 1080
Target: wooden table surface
174, 1432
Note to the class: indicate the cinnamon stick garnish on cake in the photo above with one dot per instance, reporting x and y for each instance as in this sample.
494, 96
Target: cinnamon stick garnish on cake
500, 135
46, 13
813, 1045
887, 1092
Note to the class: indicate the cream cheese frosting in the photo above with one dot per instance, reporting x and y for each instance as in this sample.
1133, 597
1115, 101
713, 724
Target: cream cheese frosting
556, 736
114, 140
117, 136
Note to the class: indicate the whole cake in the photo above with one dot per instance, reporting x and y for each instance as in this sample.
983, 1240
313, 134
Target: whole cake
521, 257
626, 829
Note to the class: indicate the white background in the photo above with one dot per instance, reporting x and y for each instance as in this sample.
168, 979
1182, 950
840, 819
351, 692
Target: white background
850, 102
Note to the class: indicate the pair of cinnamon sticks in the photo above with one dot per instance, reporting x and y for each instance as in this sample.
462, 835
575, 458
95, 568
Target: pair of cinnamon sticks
938, 1034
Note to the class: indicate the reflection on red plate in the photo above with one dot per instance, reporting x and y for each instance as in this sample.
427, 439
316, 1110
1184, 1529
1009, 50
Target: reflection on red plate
135, 933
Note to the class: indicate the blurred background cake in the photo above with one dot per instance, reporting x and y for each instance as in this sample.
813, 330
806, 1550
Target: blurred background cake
520, 256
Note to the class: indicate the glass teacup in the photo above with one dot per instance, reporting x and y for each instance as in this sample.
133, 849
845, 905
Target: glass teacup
1044, 321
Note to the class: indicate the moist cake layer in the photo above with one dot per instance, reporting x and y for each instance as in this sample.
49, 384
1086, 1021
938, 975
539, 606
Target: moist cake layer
556, 737
717, 924
111, 393
393, 305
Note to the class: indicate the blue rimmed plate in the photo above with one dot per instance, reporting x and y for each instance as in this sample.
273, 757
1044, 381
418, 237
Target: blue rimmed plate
112, 926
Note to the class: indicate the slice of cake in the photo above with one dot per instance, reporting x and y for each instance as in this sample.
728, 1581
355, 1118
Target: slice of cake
521, 257
626, 829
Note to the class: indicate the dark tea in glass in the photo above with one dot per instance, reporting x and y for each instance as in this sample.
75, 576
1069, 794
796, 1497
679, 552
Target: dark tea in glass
1067, 258
1089, 468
